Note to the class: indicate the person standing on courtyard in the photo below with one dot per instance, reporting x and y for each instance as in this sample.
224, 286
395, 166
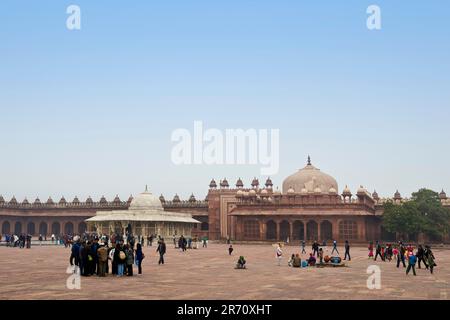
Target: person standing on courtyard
378, 251
347, 251
335, 247
162, 251
421, 256
139, 257
130, 260
411, 264
429, 258
303, 246
370, 250
315, 248
279, 254
401, 255
230, 250
102, 254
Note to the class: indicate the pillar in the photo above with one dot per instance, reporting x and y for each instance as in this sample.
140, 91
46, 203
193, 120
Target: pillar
319, 224
291, 231
278, 230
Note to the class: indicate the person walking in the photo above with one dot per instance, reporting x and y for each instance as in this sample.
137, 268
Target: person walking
429, 257
230, 250
139, 257
279, 254
315, 248
335, 247
303, 246
370, 250
420, 254
401, 255
411, 264
347, 251
162, 251
378, 251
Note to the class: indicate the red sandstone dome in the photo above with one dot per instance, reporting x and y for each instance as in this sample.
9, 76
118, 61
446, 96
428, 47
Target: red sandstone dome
311, 179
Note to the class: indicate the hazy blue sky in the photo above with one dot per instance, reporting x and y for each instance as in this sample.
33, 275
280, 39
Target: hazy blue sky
91, 112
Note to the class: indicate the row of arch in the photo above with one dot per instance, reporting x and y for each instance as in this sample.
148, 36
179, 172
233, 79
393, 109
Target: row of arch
34, 229
347, 230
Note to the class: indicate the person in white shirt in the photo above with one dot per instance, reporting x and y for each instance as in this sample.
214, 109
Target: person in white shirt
279, 254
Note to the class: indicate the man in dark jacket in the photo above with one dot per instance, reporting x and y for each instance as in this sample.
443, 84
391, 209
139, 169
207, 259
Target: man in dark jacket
401, 255
75, 253
378, 251
162, 250
94, 248
347, 251
420, 256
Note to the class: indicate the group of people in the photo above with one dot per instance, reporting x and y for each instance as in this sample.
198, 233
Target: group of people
90, 257
21, 241
402, 253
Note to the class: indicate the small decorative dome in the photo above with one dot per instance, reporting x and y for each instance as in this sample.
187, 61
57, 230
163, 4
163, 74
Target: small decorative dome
116, 200
239, 193
346, 192
2, 201
130, 199
50, 201
252, 193
361, 190
239, 183
397, 195
375, 195
224, 183
192, 198
13, 201
269, 183
291, 190
62, 201
213, 184
37, 202
332, 191
442, 195
255, 182
161, 198
245, 194
75, 200
25, 202
264, 192
103, 201
304, 191
89, 201
176, 199
317, 190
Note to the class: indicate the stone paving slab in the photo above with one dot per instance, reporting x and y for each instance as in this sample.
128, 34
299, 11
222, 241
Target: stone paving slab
208, 273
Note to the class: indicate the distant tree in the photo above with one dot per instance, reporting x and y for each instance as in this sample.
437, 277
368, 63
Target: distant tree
424, 213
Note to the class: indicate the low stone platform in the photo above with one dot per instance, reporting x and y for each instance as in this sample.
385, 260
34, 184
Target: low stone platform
208, 273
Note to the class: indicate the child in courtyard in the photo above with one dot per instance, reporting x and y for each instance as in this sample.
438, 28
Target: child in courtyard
370, 250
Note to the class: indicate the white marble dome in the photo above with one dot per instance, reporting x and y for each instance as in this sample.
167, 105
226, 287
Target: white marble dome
145, 200
309, 178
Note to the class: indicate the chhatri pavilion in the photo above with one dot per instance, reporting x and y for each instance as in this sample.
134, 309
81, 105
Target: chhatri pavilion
146, 216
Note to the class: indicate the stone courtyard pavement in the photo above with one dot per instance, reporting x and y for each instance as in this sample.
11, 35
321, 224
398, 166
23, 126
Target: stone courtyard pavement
208, 273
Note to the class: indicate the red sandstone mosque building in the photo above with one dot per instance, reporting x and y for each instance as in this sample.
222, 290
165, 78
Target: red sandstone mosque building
309, 207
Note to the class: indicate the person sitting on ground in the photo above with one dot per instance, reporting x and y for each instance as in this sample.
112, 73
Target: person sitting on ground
241, 263
291, 261
311, 260
296, 263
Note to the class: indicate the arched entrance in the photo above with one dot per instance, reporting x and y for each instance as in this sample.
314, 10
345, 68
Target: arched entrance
285, 230
18, 228
31, 229
326, 230
68, 228
6, 227
43, 229
56, 228
271, 230
299, 230
311, 230
82, 227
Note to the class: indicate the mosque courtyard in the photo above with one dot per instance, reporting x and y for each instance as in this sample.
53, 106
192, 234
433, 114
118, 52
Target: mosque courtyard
208, 273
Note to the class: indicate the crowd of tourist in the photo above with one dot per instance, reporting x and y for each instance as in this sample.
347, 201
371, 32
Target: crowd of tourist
402, 253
